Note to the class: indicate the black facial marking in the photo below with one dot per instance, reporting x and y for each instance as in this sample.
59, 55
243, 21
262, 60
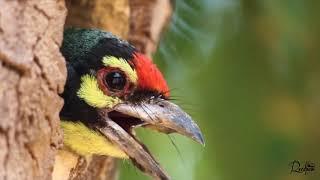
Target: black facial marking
144, 95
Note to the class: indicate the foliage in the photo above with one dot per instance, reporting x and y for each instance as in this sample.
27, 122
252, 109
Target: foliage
248, 72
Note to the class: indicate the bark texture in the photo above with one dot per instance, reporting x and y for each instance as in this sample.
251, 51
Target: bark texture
32, 73
111, 15
148, 19
141, 22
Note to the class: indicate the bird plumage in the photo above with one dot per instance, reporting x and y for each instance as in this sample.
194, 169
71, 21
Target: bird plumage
111, 88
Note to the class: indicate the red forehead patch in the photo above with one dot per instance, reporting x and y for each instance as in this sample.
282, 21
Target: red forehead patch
149, 76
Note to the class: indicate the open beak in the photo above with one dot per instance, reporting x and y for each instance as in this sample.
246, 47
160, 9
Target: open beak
160, 115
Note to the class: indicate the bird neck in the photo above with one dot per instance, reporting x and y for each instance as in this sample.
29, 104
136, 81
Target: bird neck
86, 141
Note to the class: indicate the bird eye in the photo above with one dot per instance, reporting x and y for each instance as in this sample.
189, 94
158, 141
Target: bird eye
115, 80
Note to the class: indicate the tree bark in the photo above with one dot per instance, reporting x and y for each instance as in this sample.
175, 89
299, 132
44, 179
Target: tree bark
111, 15
148, 19
141, 22
32, 73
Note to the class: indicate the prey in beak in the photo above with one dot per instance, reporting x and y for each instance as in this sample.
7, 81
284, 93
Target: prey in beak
158, 114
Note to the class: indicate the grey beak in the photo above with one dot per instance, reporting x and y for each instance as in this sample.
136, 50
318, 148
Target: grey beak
165, 117
160, 115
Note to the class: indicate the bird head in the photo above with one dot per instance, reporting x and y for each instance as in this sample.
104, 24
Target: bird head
111, 89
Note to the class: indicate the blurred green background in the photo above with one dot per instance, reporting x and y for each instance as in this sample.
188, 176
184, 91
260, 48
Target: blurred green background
249, 74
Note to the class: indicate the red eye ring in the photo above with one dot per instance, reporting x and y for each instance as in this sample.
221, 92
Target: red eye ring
113, 82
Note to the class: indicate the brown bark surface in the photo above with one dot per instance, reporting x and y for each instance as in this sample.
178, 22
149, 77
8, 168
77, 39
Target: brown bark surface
148, 19
111, 15
32, 72
141, 22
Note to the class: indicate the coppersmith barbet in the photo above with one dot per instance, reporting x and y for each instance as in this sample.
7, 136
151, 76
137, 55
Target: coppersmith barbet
111, 89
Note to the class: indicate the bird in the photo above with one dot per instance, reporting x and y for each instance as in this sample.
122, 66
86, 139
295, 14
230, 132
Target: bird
111, 89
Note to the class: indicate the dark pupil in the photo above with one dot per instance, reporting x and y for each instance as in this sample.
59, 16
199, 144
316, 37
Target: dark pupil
115, 80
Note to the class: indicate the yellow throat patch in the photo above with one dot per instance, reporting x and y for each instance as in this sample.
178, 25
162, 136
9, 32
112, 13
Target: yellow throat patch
85, 141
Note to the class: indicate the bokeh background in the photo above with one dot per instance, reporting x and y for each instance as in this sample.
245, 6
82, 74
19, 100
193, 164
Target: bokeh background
249, 74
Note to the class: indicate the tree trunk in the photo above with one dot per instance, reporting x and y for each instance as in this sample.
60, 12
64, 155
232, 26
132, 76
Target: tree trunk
148, 19
33, 73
